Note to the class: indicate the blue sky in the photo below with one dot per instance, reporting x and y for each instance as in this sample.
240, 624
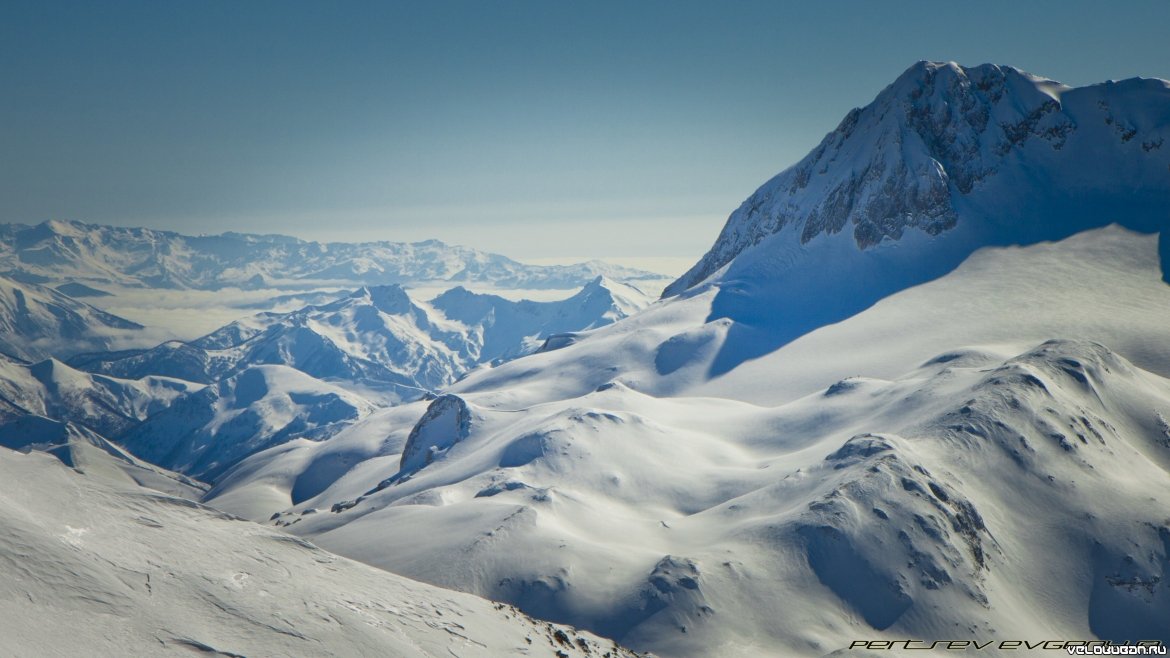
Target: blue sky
543, 130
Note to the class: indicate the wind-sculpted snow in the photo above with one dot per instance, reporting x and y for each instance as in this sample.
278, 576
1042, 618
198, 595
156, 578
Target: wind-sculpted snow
975, 497
73, 252
94, 566
1004, 155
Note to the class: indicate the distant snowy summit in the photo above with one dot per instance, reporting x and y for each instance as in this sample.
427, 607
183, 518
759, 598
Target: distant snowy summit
988, 155
69, 251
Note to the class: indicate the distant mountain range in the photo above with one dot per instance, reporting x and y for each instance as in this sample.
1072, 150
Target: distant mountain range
379, 336
201, 407
71, 252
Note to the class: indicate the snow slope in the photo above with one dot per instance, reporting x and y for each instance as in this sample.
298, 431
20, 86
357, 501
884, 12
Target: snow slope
38, 322
86, 451
78, 253
974, 497
106, 405
204, 433
90, 566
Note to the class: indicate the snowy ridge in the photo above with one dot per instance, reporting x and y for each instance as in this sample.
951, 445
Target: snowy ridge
1015, 155
379, 335
106, 405
503, 329
38, 322
127, 571
715, 515
74, 252
206, 432
86, 451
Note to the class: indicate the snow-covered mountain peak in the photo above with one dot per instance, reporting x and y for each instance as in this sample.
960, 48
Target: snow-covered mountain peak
391, 299
946, 145
63, 227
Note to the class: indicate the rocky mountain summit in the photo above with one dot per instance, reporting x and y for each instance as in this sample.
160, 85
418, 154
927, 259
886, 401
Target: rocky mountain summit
1018, 157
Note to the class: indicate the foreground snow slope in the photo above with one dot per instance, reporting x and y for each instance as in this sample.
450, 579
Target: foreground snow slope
91, 567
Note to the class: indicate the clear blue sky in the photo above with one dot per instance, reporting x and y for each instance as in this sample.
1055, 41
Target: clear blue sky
537, 129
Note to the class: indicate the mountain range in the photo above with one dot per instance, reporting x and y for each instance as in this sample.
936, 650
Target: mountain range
823, 434
380, 336
71, 252
919, 387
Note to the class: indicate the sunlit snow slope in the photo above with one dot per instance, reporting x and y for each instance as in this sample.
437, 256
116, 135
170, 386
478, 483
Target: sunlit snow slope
95, 567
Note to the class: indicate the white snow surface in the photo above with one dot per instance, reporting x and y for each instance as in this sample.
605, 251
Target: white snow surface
94, 566
204, 433
106, 405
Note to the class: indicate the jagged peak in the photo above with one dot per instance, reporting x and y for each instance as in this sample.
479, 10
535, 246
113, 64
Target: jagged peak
926, 73
391, 298
65, 226
938, 133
